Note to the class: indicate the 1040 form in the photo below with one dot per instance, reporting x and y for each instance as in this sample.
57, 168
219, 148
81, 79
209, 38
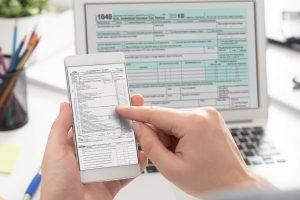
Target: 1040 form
105, 143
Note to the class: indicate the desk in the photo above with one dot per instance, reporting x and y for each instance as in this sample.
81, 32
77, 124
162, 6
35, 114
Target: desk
43, 106
43, 102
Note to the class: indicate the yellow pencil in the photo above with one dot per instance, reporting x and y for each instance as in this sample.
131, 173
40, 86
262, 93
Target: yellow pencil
8, 90
28, 54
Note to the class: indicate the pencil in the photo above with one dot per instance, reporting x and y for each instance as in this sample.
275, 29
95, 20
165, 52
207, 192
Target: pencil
7, 91
4, 109
15, 56
18, 110
22, 56
8, 118
33, 34
7, 86
28, 54
2, 61
15, 38
13, 63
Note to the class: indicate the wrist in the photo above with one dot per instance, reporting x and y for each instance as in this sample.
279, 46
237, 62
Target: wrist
256, 181
244, 178
261, 182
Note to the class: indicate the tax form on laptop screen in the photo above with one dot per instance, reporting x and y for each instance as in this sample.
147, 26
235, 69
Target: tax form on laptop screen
181, 54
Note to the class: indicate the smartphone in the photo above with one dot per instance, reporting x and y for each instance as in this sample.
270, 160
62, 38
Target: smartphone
105, 143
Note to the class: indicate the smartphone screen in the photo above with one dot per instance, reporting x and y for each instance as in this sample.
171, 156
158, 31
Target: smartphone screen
102, 138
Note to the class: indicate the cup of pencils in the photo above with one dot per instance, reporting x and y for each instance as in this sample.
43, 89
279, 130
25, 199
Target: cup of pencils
13, 99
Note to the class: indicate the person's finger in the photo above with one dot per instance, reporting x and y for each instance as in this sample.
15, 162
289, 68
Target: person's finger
137, 100
143, 160
62, 125
167, 162
71, 138
143, 163
164, 138
168, 120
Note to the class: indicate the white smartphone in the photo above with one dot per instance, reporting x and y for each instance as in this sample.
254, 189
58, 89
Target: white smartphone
105, 143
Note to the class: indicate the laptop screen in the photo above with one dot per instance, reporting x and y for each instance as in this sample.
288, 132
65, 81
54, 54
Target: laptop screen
181, 54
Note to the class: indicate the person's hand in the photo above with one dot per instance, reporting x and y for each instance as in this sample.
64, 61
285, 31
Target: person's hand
192, 149
60, 170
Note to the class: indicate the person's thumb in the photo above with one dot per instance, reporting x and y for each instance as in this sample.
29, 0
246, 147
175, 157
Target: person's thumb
62, 125
166, 161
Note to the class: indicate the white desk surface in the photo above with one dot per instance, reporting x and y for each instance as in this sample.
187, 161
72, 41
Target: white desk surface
43, 107
43, 102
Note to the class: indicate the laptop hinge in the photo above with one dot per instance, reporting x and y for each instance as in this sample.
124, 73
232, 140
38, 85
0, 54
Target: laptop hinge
239, 122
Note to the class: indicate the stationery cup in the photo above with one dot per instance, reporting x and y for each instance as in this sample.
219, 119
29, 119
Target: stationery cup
13, 100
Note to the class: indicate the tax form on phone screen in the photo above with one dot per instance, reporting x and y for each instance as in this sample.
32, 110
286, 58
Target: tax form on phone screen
103, 139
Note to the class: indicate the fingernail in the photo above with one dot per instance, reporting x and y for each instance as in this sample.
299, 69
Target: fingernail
136, 126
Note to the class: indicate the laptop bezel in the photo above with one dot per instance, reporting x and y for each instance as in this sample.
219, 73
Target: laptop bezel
243, 115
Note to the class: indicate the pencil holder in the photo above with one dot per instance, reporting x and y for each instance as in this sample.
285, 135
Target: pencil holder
13, 100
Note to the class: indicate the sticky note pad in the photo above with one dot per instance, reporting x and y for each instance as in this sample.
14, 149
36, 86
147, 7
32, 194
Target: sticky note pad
8, 156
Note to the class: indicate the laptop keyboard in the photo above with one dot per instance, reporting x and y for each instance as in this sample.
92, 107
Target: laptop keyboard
255, 148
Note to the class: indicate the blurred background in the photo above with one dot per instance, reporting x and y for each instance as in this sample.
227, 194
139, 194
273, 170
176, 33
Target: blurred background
46, 83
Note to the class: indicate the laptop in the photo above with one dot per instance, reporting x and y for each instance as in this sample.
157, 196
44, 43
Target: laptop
188, 54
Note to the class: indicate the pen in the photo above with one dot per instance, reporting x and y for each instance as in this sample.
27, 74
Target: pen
33, 186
